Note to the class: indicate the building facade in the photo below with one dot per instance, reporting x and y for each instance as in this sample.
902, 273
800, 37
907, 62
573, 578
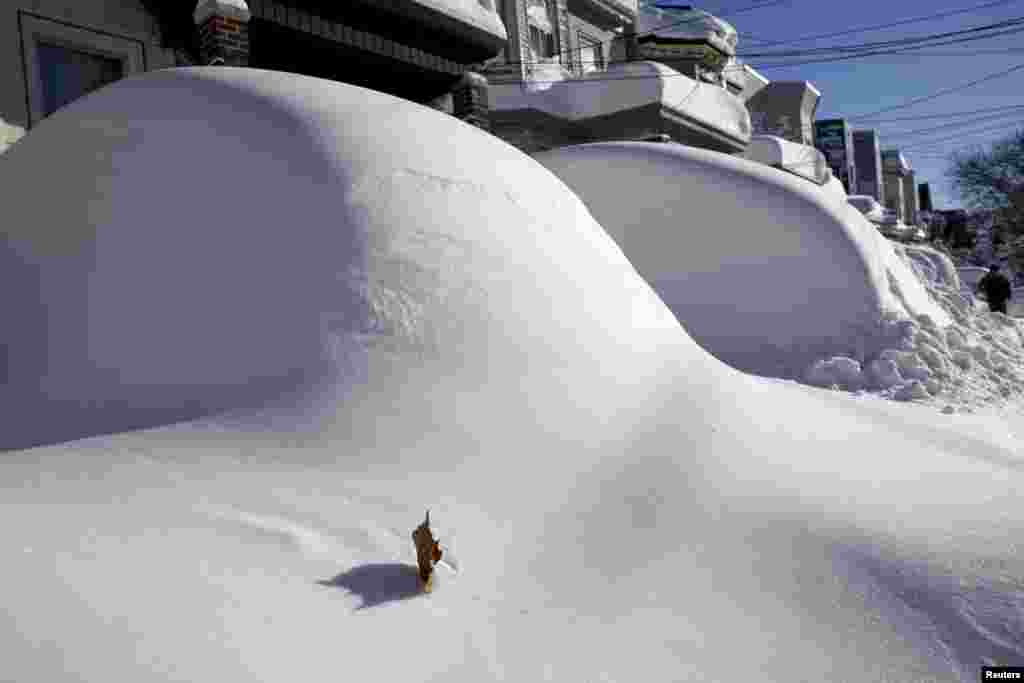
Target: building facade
834, 138
867, 155
429, 52
911, 209
894, 169
580, 71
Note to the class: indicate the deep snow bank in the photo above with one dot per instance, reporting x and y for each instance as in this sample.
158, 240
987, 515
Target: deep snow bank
481, 348
767, 271
168, 282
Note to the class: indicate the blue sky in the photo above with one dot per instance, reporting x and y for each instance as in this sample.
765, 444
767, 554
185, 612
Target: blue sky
861, 86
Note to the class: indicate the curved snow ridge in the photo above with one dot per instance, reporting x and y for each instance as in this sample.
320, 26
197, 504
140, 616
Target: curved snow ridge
393, 247
702, 226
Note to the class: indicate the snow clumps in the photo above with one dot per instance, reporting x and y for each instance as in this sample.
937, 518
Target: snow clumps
973, 361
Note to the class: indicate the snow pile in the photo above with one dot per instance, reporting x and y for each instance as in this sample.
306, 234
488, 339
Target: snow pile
621, 87
733, 246
974, 361
139, 320
801, 160
453, 333
979, 358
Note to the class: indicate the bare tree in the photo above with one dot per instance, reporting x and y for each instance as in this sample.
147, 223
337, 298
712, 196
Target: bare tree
994, 179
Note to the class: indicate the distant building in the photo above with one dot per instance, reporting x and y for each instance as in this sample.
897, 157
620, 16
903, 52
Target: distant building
911, 210
924, 195
894, 169
868, 161
834, 138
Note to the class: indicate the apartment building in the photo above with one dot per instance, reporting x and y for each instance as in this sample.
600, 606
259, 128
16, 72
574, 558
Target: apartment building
428, 51
581, 71
868, 163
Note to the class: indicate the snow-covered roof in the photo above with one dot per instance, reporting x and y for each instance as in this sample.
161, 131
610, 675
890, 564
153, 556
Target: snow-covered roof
626, 86
802, 160
686, 24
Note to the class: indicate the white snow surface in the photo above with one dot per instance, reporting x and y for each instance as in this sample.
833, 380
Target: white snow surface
370, 326
732, 245
803, 160
625, 86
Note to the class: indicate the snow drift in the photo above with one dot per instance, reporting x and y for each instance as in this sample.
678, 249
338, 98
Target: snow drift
733, 246
453, 332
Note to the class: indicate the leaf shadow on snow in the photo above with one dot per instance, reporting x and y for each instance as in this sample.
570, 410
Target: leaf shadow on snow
376, 584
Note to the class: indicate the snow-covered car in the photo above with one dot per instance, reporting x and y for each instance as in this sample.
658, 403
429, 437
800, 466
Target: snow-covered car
868, 206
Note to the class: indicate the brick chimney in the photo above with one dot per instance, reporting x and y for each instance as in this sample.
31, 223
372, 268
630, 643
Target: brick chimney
223, 27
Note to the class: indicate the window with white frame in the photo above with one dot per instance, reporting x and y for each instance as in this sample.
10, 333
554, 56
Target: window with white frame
65, 62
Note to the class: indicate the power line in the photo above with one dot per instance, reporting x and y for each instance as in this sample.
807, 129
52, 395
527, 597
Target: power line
940, 93
928, 144
951, 114
890, 24
957, 124
876, 53
847, 57
1006, 23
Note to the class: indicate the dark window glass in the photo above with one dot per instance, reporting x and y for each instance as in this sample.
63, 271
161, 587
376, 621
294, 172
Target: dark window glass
69, 74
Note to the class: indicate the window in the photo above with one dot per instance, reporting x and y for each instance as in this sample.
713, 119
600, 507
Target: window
68, 74
540, 16
64, 62
591, 54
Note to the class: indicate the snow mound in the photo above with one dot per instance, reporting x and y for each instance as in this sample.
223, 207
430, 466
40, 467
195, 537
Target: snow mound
767, 271
124, 280
372, 326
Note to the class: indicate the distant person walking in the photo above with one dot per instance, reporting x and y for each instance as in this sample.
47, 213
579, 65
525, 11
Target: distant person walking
996, 288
